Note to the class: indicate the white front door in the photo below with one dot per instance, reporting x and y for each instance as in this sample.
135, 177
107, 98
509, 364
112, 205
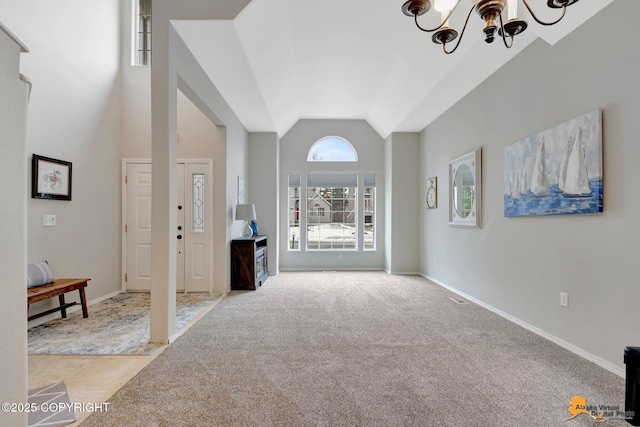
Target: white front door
198, 220
180, 227
194, 207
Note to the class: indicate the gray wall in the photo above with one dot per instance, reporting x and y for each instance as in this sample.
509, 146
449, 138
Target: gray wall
293, 158
263, 190
520, 265
74, 115
402, 203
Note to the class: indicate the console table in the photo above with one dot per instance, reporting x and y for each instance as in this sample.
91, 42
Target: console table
249, 263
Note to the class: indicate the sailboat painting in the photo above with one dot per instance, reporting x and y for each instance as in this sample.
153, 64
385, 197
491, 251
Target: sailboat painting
557, 171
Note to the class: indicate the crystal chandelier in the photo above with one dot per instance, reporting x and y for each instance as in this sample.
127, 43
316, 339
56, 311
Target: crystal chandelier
489, 10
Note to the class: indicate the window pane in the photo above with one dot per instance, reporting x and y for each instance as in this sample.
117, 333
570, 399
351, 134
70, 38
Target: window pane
332, 149
142, 39
331, 218
294, 212
198, 203
369, 235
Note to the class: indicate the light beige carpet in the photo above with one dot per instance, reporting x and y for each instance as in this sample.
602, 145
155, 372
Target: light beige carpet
359, 349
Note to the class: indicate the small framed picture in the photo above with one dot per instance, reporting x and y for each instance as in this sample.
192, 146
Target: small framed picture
50, 178
432, 193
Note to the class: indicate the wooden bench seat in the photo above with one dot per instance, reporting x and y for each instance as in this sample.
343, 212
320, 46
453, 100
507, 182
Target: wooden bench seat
58, 288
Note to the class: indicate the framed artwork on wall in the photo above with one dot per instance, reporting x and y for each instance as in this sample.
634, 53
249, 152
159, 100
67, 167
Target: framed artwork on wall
432, 193
50, 178
556, 171
465, 190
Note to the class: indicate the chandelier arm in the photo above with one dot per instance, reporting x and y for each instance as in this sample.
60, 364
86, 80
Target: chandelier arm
444, 21
444, 45
564, 11
504, 39
427, 30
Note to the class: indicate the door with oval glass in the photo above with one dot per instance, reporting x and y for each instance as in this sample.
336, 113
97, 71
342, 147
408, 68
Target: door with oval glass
193, 237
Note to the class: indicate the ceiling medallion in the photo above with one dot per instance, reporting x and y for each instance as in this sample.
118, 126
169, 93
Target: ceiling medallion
490, 11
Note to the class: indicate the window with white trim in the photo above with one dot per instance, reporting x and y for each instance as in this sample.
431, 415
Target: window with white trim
141, 49
332, 211
332, 149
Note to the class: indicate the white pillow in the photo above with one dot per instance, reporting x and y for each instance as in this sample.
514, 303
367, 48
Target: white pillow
39, 274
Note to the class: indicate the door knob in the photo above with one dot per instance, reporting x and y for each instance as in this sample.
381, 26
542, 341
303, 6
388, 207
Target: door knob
179, 227
179, 207
179, 236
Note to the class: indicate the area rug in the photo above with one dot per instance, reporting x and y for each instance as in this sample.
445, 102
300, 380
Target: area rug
117, 326
50, 406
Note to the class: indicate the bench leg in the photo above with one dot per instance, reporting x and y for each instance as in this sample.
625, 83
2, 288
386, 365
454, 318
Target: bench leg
63, 309
83, 301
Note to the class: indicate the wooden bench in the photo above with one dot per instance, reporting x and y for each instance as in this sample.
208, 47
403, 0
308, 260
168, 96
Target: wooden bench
58, 288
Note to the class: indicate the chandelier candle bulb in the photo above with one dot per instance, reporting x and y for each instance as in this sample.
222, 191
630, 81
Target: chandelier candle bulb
512, 8
444, 7
443, 17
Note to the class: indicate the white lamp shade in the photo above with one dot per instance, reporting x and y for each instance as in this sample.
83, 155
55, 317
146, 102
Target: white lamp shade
246, 212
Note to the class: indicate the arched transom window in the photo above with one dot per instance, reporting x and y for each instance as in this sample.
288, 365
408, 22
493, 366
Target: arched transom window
332, 149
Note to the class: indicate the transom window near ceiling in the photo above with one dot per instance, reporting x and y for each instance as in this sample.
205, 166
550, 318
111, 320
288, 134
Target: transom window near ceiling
141, 24
332, 149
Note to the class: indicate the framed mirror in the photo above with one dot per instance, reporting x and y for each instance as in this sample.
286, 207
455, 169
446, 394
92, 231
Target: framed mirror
465, 190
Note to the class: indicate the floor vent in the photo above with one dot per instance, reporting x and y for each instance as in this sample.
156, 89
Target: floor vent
458, 300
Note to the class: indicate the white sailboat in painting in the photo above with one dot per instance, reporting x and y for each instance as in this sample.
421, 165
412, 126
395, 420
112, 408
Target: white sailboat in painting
563, 165
515, 187
573, 174
539, 185
523, 182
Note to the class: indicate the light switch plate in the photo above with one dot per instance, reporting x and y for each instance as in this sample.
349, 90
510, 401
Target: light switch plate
564, 299
49, 220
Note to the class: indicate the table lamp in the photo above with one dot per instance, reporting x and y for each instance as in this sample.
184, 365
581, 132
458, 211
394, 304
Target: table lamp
246, 213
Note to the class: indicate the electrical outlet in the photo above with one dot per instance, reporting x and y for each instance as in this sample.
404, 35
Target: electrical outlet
48, 220
434, 259
564, 299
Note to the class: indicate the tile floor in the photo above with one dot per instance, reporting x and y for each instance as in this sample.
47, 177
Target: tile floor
89, 379
92, 379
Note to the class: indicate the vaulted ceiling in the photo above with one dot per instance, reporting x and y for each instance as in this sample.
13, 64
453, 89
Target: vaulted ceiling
280, 61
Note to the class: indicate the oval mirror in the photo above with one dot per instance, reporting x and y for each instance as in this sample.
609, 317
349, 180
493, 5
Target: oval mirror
463, 190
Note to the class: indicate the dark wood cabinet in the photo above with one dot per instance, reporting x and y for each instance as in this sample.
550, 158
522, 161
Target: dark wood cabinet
249, 263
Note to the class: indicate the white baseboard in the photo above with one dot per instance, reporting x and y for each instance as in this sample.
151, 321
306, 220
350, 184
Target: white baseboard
77, 307
324, 269
562, 343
